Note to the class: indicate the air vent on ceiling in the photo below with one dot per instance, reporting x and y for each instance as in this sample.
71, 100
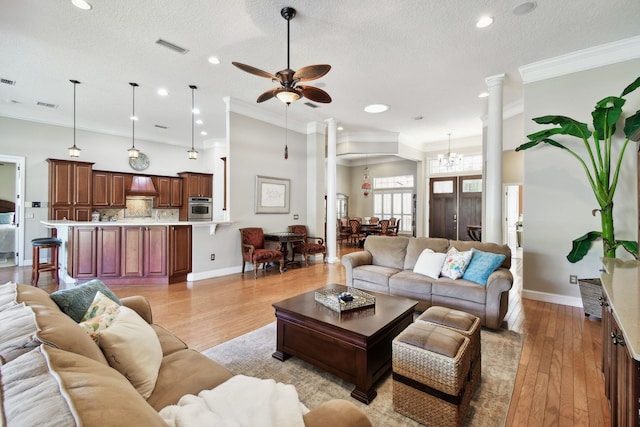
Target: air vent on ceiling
8, 82
172, 46
161, 127
46, 104
310, 104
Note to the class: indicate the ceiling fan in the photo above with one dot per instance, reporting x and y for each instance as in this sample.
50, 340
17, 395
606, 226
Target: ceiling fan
289, 90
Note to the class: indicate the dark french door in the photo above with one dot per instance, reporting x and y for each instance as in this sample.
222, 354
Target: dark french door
455, 203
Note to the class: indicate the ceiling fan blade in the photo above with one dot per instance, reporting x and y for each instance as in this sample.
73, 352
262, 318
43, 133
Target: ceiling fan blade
314, 94
255, 71
267, 95
311, 72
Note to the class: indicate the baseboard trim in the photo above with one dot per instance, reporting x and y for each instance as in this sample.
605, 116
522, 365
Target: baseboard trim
554, 298
191, 277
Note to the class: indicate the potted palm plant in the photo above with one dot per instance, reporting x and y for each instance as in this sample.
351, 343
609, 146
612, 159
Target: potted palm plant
599, 163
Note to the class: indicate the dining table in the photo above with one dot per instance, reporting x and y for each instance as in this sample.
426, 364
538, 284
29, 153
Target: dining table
286, 240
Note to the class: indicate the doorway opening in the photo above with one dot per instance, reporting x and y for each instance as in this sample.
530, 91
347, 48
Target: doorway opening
11, 210
513, 217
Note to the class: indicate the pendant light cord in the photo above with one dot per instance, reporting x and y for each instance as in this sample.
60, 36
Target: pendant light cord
192, 115
75, 82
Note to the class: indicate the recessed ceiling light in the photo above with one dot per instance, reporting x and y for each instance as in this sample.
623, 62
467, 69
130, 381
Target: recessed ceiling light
483, 94
484, 22
198, 122
376, 108
82, 4
524, 8
203, 133
214, 60
196, 110
340, 128
163, 92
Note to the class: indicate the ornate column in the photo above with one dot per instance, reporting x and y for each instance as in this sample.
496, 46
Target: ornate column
492, 227
331, 191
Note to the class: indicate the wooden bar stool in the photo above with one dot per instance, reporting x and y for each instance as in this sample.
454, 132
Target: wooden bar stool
52, 266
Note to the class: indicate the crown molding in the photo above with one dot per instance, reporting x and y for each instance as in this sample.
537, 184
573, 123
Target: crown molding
581, 60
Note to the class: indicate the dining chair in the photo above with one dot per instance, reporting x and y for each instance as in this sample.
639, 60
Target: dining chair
343, 230
309, 245
384, 227
356, 232
374, 220
254, 250
393, 230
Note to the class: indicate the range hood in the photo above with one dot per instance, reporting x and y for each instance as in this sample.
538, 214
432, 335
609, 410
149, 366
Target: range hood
141, 186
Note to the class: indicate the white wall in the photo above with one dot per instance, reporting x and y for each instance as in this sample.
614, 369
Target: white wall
557, 198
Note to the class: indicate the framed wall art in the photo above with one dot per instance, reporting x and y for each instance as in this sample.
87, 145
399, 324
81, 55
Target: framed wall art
272, 195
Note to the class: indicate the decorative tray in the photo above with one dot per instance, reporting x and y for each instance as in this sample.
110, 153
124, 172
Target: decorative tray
342, 299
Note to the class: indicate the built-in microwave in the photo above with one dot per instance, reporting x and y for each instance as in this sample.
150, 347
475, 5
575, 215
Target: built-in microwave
200, 209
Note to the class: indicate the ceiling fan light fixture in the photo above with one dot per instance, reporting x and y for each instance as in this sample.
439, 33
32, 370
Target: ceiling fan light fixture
288, 96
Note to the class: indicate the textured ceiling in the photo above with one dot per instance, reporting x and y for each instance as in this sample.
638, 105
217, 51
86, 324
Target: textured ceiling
423, 58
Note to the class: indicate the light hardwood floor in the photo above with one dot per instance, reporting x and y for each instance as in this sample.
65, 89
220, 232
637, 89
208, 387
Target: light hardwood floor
559, 380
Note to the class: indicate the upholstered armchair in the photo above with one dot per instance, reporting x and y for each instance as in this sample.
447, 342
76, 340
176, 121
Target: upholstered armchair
309, 245
254, 251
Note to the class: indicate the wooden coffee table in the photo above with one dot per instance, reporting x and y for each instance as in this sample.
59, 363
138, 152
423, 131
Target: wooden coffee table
355, 346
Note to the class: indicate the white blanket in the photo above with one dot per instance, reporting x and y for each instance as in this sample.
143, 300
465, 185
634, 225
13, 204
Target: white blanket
239, 402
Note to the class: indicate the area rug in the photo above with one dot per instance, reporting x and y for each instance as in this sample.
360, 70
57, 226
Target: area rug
250, 354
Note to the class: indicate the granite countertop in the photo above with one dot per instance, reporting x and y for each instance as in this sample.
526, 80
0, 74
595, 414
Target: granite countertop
621, 284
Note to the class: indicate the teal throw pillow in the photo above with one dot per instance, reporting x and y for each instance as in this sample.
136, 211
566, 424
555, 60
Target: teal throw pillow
482, 265
75, 302
6, 218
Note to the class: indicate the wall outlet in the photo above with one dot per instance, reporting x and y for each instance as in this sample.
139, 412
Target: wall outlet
296, 216
573, 279
213, 257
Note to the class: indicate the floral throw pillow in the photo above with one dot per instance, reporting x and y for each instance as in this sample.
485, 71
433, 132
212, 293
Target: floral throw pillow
100, 315
455, 263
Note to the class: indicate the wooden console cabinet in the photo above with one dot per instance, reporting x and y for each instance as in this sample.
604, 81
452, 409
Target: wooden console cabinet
620, 366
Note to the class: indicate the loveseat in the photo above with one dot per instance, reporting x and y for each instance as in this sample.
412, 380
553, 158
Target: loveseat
52, 373
387, 266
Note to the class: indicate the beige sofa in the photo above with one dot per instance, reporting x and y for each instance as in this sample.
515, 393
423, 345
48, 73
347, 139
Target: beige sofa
386, 266
53, 374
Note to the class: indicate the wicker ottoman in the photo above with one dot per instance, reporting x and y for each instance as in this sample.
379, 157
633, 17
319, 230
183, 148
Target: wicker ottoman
465, 323
431, 366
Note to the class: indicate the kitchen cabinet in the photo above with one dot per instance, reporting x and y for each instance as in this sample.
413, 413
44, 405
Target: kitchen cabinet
108, 190
108, 251
144, 251
180, 256
82, 252
70, 190
196, 185
169, 192
130, 254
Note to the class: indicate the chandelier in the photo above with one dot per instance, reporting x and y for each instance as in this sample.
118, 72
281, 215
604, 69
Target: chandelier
450, 159
366, 185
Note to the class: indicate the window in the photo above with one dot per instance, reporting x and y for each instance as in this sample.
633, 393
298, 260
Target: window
470, 163
392, 198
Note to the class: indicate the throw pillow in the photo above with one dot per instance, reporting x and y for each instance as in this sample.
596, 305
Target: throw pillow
131, 346
482, 265
429, 263
455, 263
100, 315
75, 302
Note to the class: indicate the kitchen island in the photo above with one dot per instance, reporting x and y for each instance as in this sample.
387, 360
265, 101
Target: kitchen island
126, 252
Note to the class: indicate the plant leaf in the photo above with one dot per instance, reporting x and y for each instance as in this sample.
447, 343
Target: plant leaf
632, 124
633, 86
630, 246
606, 115
582, 244
568, 126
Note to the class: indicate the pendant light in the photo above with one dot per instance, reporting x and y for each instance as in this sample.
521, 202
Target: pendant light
193, 154
74, 151
133, 151
450, 159
366, 185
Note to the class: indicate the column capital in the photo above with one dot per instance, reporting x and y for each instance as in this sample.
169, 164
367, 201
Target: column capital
496, 79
